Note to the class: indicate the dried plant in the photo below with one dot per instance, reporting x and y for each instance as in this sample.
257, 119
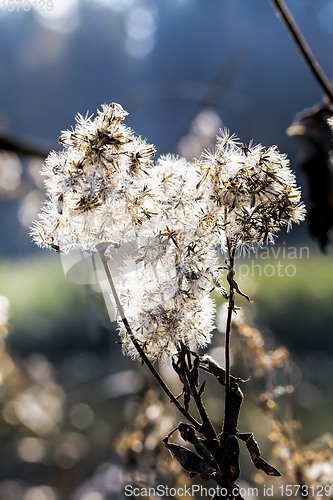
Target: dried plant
103, 191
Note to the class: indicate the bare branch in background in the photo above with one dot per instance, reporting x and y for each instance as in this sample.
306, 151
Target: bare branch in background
311, 130
283, 13
20, 147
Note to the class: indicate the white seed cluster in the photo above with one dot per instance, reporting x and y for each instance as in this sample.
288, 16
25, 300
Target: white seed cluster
96, 186
104, 188
253, 189
167, 283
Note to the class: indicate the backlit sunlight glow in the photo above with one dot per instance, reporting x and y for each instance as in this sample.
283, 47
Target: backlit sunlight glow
63, 17
140, 26
117, 5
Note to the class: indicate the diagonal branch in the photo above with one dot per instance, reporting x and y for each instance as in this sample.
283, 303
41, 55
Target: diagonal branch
283, 12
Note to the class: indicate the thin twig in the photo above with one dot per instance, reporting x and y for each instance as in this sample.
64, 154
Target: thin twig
227, 339
142, 354
208, 428
24, 148
296, 34
231, 307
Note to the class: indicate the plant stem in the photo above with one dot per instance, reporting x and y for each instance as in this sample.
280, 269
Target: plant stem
141, 352
227, 340
208, 428
231, 306
296, 34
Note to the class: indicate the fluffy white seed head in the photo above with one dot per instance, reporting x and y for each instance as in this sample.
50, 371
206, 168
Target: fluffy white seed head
96, 186
254, 189
103, 188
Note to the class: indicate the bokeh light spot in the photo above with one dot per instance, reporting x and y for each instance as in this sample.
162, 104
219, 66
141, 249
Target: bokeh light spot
81, 416
116, 5
40, 493
63, 17
325, 17
31, 449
